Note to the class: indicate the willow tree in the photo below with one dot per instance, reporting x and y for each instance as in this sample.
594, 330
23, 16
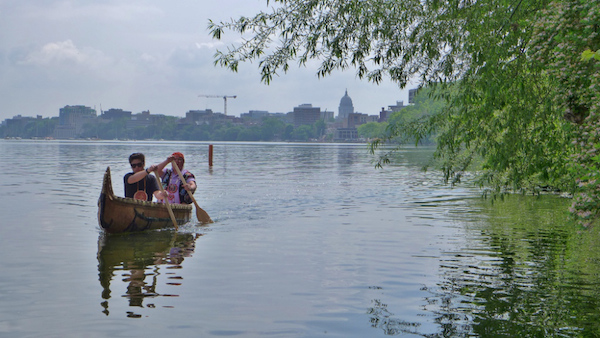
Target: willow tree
495, 63
566, 35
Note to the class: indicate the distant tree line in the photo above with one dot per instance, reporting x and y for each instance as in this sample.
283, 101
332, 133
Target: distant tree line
30, 128
269, 129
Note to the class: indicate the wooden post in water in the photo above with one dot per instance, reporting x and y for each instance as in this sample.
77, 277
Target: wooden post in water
210, 153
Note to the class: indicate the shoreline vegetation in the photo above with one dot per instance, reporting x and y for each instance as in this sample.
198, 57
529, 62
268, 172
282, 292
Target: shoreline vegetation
355, 141
179, 129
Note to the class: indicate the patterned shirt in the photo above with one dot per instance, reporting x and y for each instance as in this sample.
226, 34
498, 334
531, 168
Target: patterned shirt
172, 187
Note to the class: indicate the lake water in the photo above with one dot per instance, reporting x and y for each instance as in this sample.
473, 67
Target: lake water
309, 240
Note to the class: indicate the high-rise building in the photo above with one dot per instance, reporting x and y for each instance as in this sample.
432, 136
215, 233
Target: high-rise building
346, 108
114, 114
327, 115
71, 120
398, 106
306, 114
356, 119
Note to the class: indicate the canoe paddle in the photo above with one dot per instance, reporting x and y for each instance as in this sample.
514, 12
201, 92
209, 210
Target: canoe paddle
156, 175
200, 213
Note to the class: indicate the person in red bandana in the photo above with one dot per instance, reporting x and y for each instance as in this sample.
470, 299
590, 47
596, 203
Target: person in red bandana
177, 191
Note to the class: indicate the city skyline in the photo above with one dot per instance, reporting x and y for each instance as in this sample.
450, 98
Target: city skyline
100, 111
144, 56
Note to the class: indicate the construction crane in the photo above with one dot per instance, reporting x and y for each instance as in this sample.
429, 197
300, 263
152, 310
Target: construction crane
224, 100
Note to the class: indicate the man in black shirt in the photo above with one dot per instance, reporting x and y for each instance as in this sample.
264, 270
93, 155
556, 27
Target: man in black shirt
141, 184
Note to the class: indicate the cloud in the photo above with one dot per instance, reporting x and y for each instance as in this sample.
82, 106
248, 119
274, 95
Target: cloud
64, 53
191, 57
209, 45
148, 58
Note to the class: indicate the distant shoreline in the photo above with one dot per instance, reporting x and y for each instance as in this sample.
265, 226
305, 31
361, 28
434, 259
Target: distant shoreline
163, 140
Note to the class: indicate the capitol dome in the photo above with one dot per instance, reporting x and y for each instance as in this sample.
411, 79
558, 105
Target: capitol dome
346, 107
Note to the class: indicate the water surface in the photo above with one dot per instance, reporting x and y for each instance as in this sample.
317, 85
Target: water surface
309, 240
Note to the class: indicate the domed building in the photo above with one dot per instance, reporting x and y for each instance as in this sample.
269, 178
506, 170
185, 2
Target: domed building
346, 108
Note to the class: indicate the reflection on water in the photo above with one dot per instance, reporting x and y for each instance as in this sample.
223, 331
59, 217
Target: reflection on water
141, 259
519, 271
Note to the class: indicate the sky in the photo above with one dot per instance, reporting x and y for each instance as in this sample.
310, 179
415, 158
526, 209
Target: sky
154, 55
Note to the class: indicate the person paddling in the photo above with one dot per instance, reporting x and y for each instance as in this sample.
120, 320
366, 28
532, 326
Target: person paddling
174, 187
137, 183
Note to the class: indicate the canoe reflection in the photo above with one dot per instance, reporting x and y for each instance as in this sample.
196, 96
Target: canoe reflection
138, 258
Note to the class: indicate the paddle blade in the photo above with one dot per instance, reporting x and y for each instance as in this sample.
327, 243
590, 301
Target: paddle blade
202, 215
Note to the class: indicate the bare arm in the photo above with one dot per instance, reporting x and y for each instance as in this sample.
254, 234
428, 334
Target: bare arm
164, 163
190, 186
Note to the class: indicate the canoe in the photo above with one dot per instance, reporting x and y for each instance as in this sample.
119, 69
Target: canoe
119, 214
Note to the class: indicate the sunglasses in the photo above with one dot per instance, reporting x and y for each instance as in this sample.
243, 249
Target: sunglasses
133, 165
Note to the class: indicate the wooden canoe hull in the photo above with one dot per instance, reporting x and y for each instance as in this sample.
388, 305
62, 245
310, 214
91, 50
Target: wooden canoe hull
119, 214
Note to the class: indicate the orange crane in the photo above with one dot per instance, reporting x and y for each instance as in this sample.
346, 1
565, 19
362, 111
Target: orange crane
224, 100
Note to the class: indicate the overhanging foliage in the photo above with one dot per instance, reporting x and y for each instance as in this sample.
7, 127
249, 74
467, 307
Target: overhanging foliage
518, 91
